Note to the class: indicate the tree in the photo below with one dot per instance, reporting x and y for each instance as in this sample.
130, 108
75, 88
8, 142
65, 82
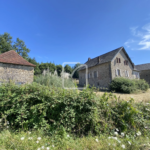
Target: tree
36, 69
5, 42
59, 69
76, 73
21, 48
68, 69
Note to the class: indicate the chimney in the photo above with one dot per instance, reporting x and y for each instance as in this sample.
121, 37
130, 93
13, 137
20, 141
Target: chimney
99, 59
89, 58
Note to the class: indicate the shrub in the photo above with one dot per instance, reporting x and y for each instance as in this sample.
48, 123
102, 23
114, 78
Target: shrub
125, 85
35, 106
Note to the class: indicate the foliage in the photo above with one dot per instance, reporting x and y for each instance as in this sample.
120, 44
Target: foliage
76, 73
59, 69
19, 46
36, 106
68, 69
125, 85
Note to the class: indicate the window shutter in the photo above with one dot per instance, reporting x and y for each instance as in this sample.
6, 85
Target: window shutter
128, 73
116, 72
97, 73
89, 75
120, 73
92, 74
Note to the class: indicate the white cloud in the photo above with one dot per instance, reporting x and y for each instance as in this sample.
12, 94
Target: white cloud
140, 38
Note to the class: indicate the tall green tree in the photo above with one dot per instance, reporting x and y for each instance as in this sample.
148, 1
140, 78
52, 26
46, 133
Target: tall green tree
5, 42
76, 73
59, 69
20, 47
68, 69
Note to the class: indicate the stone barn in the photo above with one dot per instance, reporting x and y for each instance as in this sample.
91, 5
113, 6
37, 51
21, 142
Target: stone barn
144, 71
16, 68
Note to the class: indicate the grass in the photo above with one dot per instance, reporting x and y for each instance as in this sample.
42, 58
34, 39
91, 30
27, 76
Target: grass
28, 141
139, 97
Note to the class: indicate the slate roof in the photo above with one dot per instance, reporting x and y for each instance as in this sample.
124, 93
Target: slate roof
12, 57
107, 57
143, 66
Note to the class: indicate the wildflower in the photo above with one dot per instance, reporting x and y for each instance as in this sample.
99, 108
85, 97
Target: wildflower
30, 138
109, 137
7, 122
117, 130
42, 147
39, 138
115, 138
139, 133
123, 146
146, 127
96, 140
22, 138
122, 133
29, 132
147, 109
68, 136
114, 144
128, 108
37, 141
147, 103
116, 133
53, 146
38, 149
119, 141
127, 101
7, 126
129, 142
109, 144
47, 148
0, 120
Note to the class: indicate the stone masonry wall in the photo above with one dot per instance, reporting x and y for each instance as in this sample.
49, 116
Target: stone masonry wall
103, 79
145, 74
18, 73
121, 66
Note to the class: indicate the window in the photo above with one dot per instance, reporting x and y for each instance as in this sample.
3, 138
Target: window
95, 74
97, 83
88, 75
118, 72
126, 62
126, 73
118, 60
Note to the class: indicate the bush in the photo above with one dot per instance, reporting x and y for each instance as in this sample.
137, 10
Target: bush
35, 106
125, 85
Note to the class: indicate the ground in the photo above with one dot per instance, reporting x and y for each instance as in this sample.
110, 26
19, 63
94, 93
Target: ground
138, 97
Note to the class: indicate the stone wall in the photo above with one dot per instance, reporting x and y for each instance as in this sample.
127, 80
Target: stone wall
18, 73
145, 74
102, 80
121, 66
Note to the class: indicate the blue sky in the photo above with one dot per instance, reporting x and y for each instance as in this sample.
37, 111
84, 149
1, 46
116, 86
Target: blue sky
72, 30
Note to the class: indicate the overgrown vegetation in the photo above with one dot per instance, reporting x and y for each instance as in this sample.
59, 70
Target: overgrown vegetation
125, 85
37, 106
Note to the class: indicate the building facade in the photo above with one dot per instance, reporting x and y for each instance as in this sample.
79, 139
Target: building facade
104, 68
14, 67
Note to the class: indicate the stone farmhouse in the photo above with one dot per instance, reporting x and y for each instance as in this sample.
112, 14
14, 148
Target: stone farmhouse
104, 68
144, 71
14, 67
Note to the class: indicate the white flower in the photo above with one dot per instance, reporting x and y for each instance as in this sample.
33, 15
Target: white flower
128, 108
109, 144
29, 132
38, 149
146, 127
0, 120
107, 105
114, 144
123, 146
122, 133
42, 147
39, 138
129, 142
109, 137
119, 141
30, 138
147, 109
117, 130
115, 138
47, 148
127, 101
96, 140
147, 103
116, 133
22, 138
68, 136
7, 122
37, 141
7, 126
139, 133
52, 145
